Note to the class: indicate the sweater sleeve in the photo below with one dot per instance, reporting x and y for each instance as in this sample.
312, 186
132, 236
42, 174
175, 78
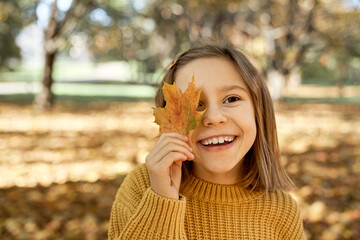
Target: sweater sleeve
139, 213
292, 224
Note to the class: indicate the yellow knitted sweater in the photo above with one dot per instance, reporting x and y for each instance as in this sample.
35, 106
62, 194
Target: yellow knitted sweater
204, 211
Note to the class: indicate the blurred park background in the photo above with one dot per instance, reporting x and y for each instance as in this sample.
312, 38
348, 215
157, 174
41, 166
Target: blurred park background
77, 80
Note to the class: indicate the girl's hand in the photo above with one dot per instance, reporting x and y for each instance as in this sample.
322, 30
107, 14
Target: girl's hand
164, 163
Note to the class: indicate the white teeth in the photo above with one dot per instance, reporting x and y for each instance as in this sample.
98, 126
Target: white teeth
217, 140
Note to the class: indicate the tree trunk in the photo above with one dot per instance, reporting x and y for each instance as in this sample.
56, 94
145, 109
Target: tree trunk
343, 69
276, 84
341, 85
292, 82
55, 36
45, 99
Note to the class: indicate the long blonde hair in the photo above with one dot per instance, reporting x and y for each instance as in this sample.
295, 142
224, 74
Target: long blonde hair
262, 168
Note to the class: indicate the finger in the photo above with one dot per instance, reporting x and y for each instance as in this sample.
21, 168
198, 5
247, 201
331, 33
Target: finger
171, 136
170, 159
163, 143
175, 173
180, 139
173, 147
174, 134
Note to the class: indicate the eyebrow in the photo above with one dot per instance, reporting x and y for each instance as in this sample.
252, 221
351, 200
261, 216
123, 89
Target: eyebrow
231, 87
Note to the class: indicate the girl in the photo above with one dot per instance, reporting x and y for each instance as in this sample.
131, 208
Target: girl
227, 181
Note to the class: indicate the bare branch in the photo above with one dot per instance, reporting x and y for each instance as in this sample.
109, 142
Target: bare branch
56, 32
51, 27
77, 11
305, 44
68, 14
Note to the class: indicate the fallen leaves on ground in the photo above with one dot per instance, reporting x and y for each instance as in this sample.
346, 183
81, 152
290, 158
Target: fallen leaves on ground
60, 170
61, 211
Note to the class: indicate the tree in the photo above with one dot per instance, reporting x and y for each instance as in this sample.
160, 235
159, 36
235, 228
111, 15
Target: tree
55, 33
14, 15
63, 24
340, 40
285, 29
279, 32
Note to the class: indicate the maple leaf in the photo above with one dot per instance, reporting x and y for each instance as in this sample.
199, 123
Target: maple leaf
179, 114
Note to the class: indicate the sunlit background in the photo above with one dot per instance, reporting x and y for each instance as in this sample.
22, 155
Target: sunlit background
77, 80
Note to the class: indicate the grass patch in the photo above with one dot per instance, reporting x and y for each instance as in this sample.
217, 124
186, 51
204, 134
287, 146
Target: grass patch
88, 92
347, 100
106, 90
27, 99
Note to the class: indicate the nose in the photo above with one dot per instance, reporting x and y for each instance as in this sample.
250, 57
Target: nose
213, 116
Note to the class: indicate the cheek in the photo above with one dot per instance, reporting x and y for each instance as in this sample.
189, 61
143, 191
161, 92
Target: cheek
191, 140
192, 143
247, 123
251, 122
251, 130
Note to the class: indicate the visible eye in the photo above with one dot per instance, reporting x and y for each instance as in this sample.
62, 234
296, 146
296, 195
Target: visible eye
231, 99
200, 106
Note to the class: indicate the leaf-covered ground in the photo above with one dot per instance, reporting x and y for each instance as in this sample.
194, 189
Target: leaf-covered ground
59, 171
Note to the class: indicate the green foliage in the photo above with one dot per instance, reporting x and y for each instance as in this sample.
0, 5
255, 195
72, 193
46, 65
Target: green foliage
315, 73
154, 33
10, 23
14, 15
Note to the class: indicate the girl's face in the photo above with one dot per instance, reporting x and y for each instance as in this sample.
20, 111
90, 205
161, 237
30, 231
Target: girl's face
228, 129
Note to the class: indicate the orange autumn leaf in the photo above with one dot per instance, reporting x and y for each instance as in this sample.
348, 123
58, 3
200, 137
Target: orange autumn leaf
179, 114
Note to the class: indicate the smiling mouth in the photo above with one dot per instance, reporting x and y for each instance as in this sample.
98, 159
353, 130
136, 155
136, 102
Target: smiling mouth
218, 141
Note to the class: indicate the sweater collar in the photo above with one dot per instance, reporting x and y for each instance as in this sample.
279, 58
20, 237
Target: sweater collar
207, 191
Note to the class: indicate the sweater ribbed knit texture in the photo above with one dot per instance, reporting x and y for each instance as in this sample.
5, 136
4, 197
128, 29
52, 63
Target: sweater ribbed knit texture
204, 211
